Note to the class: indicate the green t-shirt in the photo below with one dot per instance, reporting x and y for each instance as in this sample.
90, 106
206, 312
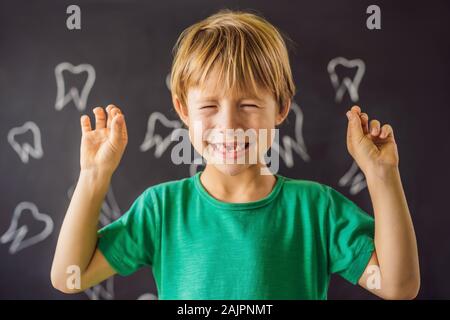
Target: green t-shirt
284, 246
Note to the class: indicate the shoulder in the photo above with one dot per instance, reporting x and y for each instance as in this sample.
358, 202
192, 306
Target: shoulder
315, 191
312, 192
167, 188
158, 196
306, 187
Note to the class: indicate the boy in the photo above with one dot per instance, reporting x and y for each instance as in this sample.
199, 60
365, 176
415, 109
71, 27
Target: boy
230, 231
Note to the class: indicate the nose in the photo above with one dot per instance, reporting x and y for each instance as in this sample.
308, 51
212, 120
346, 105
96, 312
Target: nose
228, 118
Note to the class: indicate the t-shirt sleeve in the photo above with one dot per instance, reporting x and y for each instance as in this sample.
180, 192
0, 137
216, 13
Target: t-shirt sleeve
351, 234
130, 242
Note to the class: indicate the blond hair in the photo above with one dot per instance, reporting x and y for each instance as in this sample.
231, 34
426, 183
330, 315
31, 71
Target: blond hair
245, 47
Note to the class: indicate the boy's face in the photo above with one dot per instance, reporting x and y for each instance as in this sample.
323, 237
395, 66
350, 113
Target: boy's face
224, 116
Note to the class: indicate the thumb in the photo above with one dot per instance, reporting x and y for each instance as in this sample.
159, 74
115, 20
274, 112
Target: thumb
354, 130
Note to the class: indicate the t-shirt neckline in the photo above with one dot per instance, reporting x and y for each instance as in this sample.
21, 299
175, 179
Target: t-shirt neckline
238, 205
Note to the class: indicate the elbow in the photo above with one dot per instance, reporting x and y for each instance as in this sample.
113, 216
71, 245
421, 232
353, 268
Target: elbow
408, 290
56, 283
412, 290
60, 283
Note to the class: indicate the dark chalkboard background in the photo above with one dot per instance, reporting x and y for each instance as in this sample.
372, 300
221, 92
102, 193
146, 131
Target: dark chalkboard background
128, 43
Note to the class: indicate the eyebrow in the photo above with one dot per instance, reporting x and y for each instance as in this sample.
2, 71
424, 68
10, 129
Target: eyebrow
206, 99
213, 98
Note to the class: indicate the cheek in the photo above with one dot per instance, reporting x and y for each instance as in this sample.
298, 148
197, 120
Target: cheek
262, 119
266, 133
198, 125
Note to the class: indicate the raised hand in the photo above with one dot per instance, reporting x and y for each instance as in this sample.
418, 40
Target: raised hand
371, 145
102, 148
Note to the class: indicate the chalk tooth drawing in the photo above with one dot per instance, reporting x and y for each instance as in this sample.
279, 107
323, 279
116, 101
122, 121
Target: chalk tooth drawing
102, 291
354, 179
63, 98
17, 234
346, 84
351, 178
147, 296
26, 149
295, 143
109, 212
153, 139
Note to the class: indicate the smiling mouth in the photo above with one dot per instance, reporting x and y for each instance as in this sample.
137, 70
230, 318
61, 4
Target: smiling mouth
230, 150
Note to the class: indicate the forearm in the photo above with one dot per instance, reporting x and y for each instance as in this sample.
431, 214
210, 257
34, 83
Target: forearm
78, 236
395, 240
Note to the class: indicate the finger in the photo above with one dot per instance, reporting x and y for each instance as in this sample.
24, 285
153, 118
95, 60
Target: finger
354, 129
85, 124
115, 111
365, 122
375, 127
118, 131
386, 131
111, 107
356, 108
109, 116
100, 118
124, 128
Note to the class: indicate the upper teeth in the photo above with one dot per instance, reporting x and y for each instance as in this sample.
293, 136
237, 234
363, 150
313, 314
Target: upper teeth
229, 147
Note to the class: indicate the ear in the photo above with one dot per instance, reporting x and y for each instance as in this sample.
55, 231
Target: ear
283, 113
181, 110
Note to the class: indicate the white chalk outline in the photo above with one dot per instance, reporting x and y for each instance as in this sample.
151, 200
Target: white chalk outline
26, 149
100, 291
296, 143
348, 84
152, 139
148, 296
355, 180
17, 235
352, 177
61, 97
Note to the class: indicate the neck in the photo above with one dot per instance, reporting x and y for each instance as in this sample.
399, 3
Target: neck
247, 186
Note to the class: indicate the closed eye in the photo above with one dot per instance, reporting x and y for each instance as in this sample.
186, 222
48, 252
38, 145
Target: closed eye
207, 107
250, 105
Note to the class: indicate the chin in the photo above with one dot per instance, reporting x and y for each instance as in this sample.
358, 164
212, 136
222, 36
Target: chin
231, 169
